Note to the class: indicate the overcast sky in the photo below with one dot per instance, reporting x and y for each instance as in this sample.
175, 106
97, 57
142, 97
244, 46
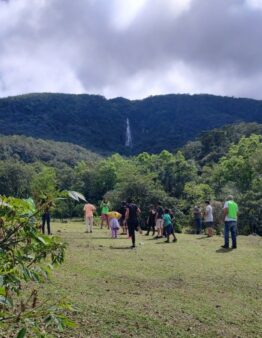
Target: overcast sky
131, 48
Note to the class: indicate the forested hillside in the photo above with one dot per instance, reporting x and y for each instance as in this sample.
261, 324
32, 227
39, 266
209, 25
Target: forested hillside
30, 150
211, 145
156, 123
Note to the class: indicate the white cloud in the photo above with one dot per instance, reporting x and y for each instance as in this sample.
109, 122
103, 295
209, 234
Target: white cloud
124, 12
254, 3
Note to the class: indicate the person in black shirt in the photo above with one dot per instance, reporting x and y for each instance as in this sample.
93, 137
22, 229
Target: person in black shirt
46, 217
122, 220
151, 220
132, 212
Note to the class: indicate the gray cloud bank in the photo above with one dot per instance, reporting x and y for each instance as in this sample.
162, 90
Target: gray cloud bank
116, 48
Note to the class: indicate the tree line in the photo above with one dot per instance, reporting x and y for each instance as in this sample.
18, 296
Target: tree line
179, 180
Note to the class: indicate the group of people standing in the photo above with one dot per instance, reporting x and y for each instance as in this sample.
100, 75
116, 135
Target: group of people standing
230, 211
207, 216
160, 220
126, 217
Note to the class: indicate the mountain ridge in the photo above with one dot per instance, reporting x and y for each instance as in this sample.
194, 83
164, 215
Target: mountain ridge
99, 124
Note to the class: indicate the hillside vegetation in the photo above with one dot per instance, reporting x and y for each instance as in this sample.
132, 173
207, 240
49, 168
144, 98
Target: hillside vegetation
30, 150
220, 162
157, 123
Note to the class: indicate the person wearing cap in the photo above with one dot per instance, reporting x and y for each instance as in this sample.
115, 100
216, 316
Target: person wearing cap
230, 217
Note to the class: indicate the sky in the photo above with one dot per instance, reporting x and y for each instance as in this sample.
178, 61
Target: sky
131, 48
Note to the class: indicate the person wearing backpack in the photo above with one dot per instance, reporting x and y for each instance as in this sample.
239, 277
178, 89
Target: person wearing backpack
230, 217
132, 212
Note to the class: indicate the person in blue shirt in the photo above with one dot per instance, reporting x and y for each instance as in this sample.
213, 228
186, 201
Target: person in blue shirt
168, 226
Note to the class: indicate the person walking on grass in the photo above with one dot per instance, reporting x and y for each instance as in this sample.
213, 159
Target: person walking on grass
89, 210
122, 220
105, 206
132, 212
208, 218
159, 220
151, 221
114, 226
230, 217
168, 226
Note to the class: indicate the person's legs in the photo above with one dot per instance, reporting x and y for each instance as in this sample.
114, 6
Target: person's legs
107, 221
91, 222
124, 227
198, 226
148, 230
87, 224
233, 230
48, 224
209, 229
173, 233
104, 218
43, 224
226, 235
158, 228
161, 227
131, 231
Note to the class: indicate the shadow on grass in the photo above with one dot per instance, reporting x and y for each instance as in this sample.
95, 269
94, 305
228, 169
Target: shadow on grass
101, 238
203, 237
121, 248
222, 250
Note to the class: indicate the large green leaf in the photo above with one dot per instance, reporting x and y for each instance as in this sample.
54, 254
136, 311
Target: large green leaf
21, 333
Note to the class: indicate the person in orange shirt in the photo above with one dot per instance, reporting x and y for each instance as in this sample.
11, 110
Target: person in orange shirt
89, 209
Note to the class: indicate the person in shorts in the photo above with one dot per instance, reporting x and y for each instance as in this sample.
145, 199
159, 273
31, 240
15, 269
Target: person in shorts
159, 220
105, 206
122, 220
168, 226
208, 218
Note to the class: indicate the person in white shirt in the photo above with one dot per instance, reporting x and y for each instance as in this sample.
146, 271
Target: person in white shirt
208, 218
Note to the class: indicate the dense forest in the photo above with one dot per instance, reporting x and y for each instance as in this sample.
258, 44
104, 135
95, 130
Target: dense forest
218, 162
98, 124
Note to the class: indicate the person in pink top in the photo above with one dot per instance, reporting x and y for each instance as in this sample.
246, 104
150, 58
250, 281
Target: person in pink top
89, 209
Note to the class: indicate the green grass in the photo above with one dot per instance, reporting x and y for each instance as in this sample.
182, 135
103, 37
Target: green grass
186, 289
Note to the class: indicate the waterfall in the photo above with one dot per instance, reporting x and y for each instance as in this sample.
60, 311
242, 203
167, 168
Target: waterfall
128, 134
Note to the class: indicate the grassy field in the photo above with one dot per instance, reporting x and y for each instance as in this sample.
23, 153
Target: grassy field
191, 288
